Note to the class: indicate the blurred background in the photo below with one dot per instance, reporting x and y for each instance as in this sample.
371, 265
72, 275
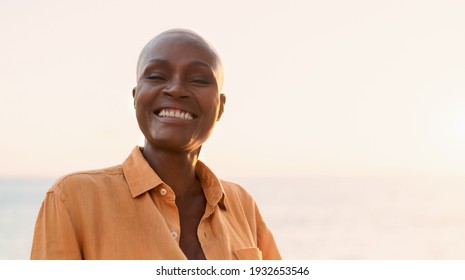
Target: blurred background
345, 119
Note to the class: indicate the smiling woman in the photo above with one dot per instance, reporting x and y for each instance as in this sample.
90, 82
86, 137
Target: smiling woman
178, 75
162, 202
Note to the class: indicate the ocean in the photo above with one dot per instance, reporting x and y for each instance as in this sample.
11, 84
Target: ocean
20, 200
319, 218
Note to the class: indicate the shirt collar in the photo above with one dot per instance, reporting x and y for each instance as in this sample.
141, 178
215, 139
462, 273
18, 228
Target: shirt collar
139, 174
212, 187
142, 178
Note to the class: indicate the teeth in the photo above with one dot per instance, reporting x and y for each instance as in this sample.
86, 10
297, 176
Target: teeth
175, 113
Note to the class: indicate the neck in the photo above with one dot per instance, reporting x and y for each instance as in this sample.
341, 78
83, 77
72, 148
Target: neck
177, 169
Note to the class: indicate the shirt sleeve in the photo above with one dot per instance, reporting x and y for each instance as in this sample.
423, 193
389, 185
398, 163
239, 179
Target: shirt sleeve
54, 236
265, 239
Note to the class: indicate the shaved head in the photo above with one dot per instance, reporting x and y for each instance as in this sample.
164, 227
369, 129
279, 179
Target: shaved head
184, 35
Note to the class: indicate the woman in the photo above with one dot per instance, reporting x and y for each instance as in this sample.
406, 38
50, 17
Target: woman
162, 202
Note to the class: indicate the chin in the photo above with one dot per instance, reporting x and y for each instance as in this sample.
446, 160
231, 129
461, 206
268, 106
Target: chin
174, 145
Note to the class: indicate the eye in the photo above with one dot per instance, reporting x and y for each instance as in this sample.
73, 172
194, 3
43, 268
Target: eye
155, 76
199, 81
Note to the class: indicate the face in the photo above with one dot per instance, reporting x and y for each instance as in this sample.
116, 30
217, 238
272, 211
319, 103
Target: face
177, 97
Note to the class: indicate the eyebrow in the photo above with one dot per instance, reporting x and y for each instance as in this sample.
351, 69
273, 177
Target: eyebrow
194, 63
157, 60
202, 63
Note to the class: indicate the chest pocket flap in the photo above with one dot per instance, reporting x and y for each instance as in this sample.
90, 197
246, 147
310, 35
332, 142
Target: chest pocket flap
251, 253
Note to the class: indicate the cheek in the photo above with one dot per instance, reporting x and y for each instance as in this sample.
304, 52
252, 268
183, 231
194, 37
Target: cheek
141, 111
142, 96
211, 105
142, 101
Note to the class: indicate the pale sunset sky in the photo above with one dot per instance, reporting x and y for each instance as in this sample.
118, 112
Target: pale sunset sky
314, 88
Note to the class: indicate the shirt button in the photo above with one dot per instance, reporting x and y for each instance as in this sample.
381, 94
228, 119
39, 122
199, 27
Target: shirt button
174, 234
163, 191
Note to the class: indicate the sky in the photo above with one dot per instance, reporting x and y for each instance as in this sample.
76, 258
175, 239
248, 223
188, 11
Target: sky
314, 88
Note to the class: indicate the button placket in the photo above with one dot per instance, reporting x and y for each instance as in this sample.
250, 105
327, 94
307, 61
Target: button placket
169, 210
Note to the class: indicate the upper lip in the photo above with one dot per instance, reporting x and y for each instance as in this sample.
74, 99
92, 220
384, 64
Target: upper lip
171, 107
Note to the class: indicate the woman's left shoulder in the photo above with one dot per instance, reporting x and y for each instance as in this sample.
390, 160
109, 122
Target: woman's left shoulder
236, 191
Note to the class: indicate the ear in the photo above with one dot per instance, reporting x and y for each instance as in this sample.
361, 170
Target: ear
134, 96
222, 103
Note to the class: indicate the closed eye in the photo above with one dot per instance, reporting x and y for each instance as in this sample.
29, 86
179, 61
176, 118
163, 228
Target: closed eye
155, 77
200, 81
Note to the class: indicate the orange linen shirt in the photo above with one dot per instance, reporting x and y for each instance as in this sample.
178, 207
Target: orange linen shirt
127, 212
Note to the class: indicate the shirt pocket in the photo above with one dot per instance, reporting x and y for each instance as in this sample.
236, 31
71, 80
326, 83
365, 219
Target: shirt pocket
252, 253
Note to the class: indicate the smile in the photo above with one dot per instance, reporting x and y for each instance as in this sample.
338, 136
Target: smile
172, 113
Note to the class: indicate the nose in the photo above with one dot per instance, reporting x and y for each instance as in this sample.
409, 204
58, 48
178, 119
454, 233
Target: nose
176, 89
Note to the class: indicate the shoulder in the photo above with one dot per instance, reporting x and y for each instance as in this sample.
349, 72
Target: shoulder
231, 188
89, 180
237, 195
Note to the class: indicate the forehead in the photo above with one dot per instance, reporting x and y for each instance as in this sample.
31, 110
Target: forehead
178, 48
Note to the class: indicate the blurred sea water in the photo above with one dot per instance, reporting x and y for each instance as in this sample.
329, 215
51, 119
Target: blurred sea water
365, 218
20, 200
312, 218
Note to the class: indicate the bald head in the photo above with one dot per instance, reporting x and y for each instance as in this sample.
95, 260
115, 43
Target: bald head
174, 36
